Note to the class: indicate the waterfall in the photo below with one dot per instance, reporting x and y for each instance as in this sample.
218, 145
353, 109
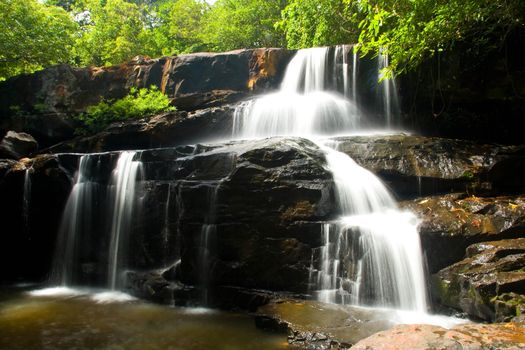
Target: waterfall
354, 77
124, 180
76, 222
26, 200
207, 239
388, 92
83, 221
371, 255
303, 106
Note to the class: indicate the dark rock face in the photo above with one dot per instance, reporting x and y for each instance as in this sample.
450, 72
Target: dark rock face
469, 95
31, 216
411, 166
43, 103
165, 130
17, 145
489, 283
415, 166
450, 223
263, 201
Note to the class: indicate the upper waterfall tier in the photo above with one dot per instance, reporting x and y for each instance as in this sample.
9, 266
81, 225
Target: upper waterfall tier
310, 101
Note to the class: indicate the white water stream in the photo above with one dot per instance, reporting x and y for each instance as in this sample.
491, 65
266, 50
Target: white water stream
124, 181
371, 256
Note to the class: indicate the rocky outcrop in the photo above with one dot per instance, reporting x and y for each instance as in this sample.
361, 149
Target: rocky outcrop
450, 223
489, 283
412, 166
17, 145
259, 204
43, 103
416, 166
469, 336
263, 201
165, 130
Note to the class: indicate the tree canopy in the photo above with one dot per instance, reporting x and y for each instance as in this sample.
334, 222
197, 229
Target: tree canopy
39, 33
33, 36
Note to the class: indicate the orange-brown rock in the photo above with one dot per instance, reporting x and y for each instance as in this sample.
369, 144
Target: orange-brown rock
464, 337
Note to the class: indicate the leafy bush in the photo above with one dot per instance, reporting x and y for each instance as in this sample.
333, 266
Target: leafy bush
137, 104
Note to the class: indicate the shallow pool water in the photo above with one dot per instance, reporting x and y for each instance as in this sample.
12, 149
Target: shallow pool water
81, 321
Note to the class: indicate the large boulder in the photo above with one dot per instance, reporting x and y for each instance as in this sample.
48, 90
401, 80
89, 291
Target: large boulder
259, 205
450, 223
489, 283
466, 337
16, 145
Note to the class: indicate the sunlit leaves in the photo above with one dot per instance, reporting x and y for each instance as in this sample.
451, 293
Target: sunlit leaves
234, 24
32, 36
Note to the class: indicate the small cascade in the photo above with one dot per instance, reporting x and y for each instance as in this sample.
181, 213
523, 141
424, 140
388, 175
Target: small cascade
85, 223
77, 221
354, 77
166, 230
304, 106
124, 180
26, 200
207, 240
371, 255
388, 92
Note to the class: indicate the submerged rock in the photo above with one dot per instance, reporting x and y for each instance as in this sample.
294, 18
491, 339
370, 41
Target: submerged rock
489, 283
314, 325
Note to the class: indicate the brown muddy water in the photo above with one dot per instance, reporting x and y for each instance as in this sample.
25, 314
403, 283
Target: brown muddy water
60, 319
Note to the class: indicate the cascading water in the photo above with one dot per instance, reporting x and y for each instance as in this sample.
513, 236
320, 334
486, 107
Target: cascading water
388, 91
372, 254
207, 238
303, 106
76, 221
26, 201
81, 222
124, 180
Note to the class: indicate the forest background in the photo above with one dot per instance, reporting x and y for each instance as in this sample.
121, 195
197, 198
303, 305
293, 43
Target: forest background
35, 34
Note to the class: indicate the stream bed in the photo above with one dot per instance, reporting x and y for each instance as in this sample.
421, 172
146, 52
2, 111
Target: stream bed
69, 319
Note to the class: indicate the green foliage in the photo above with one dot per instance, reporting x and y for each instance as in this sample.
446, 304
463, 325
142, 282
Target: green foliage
234, 24
411, 31
137, 104
33, 36
38, 33
111, 34
175, 28
310, 23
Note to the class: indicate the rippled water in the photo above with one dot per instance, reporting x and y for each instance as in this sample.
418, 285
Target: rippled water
81, 321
